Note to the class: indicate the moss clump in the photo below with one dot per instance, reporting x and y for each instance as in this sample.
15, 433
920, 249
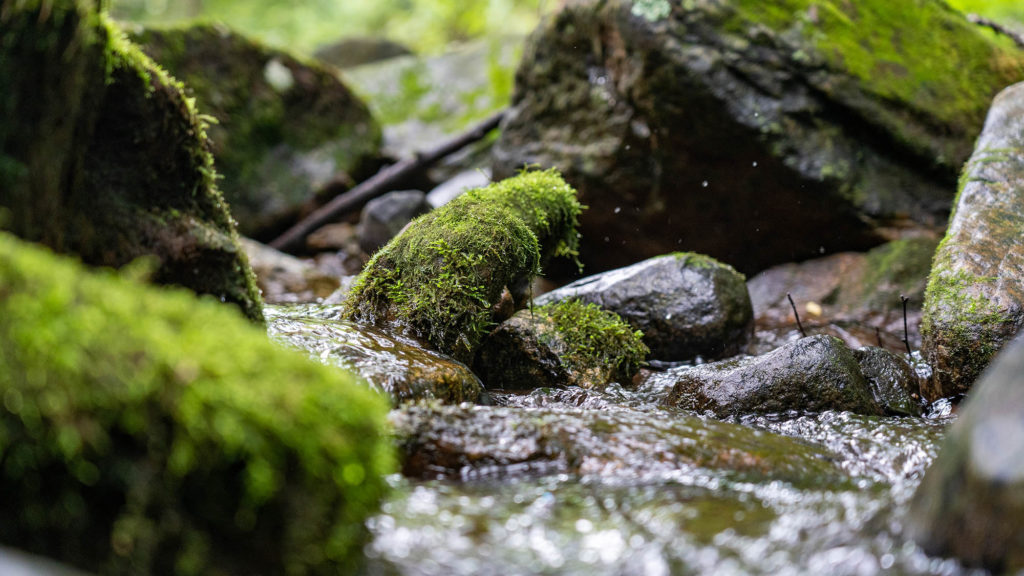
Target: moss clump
145, 432
440, 278
596, 338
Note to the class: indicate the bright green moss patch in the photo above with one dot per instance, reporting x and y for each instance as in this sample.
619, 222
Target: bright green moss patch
596, 339
144, 431
440, 278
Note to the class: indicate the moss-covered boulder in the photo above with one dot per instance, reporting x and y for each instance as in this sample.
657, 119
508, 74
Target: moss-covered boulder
755, 132
399, 367
969, 503
568, 343
810, 375
440, 278
103, 156
975, 298
143, 431
685, 304
284, 128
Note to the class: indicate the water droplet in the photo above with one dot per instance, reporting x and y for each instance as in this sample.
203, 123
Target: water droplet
704, 184
618, 209
821, 249
754, 164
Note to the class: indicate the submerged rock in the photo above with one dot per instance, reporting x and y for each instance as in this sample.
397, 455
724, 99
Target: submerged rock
146, 431
473, 442
975, 298
384, 217
969, 503
685, 304
398, 367
754, 132
812, 374
564, 344
284, 128
103, 156
440, 278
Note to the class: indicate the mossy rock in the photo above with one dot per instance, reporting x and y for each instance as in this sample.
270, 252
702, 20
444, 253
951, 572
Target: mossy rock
440, 278
284, 129
144, 431
568, 343
754, 132
974, 303
107, 159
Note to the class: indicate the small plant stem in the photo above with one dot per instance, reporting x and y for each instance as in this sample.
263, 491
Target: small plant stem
798, 324
906, 331
878, 336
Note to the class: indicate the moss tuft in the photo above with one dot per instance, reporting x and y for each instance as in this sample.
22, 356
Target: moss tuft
596, 338
143, 431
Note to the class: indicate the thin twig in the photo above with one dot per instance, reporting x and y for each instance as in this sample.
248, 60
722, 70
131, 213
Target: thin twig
380, 184
878, 336
798, 324
906, 331
1017, 37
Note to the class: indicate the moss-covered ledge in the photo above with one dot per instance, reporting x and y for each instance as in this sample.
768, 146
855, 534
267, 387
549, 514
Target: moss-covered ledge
143, 431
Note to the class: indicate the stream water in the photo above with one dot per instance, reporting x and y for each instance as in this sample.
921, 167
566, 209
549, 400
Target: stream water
650, 491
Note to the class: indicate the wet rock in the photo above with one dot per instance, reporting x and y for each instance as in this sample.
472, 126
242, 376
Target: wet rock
685, 304
351, 52
812, 374
439, 279
17, 563
138, 419
284, 278
448, 190
399, 367
284, 128
564, 344
384, 217
969, 503
110, 161
975, 298
894, 384
755, 135
473, 442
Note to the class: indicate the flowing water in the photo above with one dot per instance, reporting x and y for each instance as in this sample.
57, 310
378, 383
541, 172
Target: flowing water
612, 483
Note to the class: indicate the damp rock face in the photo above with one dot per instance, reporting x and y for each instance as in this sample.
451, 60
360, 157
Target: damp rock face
285, 128
975, 298
968, 505
685, 304
806, 125
146, 431
104, 157
813, 374
384, 217
568, 343
893, 383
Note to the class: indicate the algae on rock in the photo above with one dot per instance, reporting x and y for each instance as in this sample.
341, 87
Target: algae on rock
147, 432
439, 279
103, 156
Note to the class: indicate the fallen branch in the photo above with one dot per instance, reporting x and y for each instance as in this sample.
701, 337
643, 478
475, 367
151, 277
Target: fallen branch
381, 183
1017, 37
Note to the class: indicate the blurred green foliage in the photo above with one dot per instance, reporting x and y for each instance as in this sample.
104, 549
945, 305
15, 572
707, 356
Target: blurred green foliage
1007, 11
303, 25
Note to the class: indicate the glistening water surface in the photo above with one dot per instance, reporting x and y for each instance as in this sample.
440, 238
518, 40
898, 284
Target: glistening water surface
582, 482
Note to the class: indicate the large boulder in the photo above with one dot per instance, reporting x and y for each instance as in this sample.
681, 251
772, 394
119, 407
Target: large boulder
103, 156
812, 374
969, 503
145, 431
685, 304
285, 128
975, 298
754, 132
567, 343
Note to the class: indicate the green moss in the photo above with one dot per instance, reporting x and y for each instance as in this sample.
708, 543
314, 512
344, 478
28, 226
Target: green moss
596, 339
143, 431
695, 260
897, 268
439, 279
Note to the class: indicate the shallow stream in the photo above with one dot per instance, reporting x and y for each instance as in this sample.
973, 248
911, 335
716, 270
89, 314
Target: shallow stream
624, 486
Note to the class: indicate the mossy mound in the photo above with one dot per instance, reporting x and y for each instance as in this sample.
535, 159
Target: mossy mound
104, 157
145, 432
440, 278
974, 303
755, 132
284, 129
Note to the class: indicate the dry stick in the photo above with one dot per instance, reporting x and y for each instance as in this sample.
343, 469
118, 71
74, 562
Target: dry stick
1017, 38
380, 184
798, 324
906, 332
